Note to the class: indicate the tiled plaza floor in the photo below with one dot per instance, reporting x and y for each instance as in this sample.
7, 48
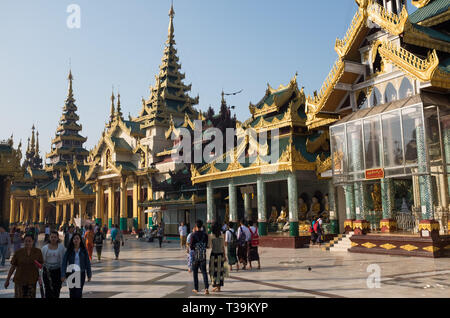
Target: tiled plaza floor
145, 270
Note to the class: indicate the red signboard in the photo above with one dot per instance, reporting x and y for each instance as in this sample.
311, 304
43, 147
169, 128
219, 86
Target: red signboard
374, 174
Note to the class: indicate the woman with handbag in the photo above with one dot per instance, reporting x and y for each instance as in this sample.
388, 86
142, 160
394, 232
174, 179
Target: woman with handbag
53, 254
76, 262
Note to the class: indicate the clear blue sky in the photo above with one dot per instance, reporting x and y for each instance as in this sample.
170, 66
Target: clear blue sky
227, 44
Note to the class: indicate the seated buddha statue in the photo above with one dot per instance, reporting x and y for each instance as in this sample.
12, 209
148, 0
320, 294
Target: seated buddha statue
314, 210
283, 215
273, 215
302, 209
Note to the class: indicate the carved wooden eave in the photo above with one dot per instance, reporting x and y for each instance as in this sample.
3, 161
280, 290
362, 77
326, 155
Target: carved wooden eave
322, 165
320, 142
415, 37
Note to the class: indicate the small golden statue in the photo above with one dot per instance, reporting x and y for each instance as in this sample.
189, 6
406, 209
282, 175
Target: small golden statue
283, 215
302, 209
376, 198
273, 215
315, 209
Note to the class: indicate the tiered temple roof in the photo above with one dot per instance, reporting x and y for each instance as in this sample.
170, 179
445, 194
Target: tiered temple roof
32, 158
67, 146
170, 94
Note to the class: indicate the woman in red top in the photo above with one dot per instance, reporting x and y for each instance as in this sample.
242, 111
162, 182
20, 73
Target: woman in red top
89, 241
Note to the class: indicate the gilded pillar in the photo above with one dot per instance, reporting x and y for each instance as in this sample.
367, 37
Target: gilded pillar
72, 211
41, 210
262, 213
58, 214
99, 204
293, 206
12, 210
135, 205
150, 198
110, 205
64, 219
21, 211
82, 205
34, 218
123, 205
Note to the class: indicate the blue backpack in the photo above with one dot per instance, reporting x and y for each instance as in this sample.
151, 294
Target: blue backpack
242, 238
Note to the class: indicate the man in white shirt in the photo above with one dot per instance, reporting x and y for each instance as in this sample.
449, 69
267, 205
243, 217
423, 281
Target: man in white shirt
182, 229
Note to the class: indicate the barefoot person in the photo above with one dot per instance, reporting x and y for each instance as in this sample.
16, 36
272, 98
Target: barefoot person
99, 237
253, 254
27, 274
217, 258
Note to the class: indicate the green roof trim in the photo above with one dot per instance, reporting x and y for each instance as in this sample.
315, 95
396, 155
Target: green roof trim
121, 143
432, 9
445, 65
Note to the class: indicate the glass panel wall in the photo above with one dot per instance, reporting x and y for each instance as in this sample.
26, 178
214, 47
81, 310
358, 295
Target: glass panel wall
372, 143
399, 141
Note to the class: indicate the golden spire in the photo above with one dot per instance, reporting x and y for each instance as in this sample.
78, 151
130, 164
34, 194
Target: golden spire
112, 107
37, 145
28, 145
70, 78
119, 113
171, 28
32, 139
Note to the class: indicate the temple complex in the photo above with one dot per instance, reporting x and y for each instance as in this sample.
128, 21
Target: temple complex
369, 151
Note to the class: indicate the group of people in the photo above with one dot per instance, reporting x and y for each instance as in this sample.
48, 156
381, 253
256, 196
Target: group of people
56, 261
229, 246
57, 264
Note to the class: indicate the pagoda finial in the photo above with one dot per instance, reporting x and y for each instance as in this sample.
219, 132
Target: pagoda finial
111, 117
223, 97
37, 145
119, 112
32, 139
171, 28
28, 145
70, 78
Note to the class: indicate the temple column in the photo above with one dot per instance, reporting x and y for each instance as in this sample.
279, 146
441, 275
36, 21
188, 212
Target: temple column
232, 201
12, 210
72, 212
135, 205
293, 205
21, 211
388, 223
110, 205
34, 218
123, 205
150, 198
141, 219
428, 226
41, 210
82, 207
349, 207
58, 214
210, 205
446, 143
247, 206
332, 208
262, 213
64, 219
99, 204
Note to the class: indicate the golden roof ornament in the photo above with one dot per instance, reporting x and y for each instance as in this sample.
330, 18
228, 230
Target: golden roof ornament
112, 107
37, 145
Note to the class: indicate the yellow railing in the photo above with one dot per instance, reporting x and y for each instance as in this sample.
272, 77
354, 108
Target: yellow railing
342, 46
329, 82
388, 20
421, 68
